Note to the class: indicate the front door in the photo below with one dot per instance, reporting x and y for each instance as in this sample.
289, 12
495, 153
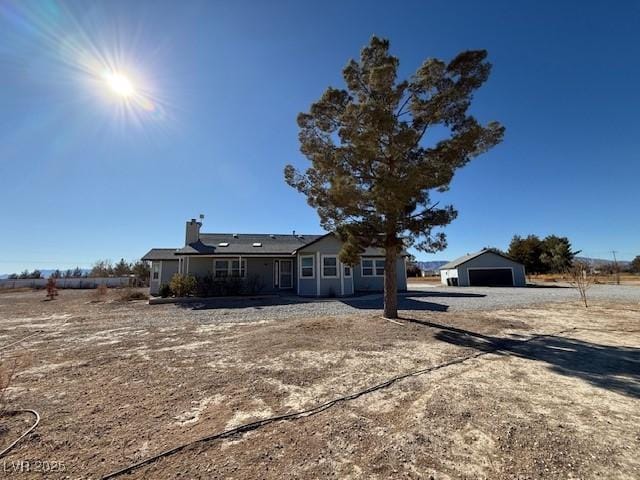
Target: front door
286, 274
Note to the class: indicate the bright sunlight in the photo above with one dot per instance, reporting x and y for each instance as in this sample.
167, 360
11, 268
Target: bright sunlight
120, 84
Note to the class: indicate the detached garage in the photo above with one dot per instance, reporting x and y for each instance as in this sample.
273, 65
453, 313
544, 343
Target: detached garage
483, 269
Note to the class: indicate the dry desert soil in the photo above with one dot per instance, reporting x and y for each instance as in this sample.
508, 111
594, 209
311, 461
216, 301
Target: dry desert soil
529, 393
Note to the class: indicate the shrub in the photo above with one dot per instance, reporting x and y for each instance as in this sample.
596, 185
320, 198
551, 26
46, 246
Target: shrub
253, 285
52, 291
100, 293
127, 294
165, 290
183, 285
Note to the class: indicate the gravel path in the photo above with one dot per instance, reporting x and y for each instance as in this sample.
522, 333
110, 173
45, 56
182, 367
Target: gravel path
420, 297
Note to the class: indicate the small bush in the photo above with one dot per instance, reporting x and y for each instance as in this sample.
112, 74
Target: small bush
100, 293
165, 290
128, 294
183, 285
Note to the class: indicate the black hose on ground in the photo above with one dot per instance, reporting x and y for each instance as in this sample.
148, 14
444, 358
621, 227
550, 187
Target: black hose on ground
311, 411
27, 432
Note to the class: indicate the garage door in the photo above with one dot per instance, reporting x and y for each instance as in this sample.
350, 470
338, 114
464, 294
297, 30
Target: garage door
491, 277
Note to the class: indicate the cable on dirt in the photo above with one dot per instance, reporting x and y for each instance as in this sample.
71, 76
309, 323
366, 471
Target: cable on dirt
27, 432
310, 411
21, 340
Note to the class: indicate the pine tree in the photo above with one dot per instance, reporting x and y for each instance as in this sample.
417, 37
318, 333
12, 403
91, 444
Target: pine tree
371, 169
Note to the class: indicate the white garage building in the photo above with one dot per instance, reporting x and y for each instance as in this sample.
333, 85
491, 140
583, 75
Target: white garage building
484, 268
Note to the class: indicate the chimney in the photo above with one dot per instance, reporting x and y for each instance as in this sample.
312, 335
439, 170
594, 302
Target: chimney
192, 232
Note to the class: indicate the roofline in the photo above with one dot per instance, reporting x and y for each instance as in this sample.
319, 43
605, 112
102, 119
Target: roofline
312, 242
231, 254
481, 252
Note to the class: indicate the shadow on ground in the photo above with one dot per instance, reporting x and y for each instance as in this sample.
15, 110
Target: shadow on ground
406, 301
615, 368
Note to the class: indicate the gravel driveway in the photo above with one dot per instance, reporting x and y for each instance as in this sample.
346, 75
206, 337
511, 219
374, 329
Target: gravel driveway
420, 297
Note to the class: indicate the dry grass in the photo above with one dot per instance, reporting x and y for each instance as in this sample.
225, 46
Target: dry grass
116, 382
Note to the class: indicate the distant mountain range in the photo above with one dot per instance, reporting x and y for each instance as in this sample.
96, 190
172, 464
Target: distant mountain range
431, 266
598, 262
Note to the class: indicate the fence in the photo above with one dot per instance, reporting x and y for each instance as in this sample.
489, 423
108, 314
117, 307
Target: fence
78, 282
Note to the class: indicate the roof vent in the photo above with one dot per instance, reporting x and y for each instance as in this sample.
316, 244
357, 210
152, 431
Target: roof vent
235, 235
257, 244
272, 236
301, 237
224, 244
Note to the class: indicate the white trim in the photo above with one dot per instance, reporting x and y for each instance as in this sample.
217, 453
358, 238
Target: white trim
374, 260
513, 278
313, 267
280, 273
241, 262
341, 270
328, 255
153, 265
318, 276
406, 283
298, 279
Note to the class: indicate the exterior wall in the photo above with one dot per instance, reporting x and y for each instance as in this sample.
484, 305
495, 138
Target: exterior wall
491, 260
320, 286
263, 267
168, 268
448, 273
342, 286
376, 283
199, 266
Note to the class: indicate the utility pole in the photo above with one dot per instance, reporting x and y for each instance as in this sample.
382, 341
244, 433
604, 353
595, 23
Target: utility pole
615, 266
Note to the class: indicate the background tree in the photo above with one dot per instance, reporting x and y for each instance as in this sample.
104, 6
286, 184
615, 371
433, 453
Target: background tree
77, 272
35, 274
635, 264
68, 273
102, 268
557, 255
13, 276
142, 271
527, 251
122, 268
371, 173
56, 274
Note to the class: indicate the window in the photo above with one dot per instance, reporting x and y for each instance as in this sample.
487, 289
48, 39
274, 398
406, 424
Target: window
221, 268
372, 267
307, 267
237, 269
347, 271
229, 268
329, 266
156, 271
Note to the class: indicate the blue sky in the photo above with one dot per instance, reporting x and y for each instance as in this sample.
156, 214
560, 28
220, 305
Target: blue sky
82, 179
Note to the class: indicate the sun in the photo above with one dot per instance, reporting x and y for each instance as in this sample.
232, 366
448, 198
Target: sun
119, 84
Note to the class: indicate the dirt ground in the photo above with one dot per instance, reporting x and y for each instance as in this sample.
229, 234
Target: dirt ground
544, 392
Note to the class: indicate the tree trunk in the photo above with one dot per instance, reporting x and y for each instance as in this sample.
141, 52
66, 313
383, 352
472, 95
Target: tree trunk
390, 284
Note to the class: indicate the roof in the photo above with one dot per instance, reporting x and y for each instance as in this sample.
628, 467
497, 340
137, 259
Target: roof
160, 254
470, 256
247, 244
